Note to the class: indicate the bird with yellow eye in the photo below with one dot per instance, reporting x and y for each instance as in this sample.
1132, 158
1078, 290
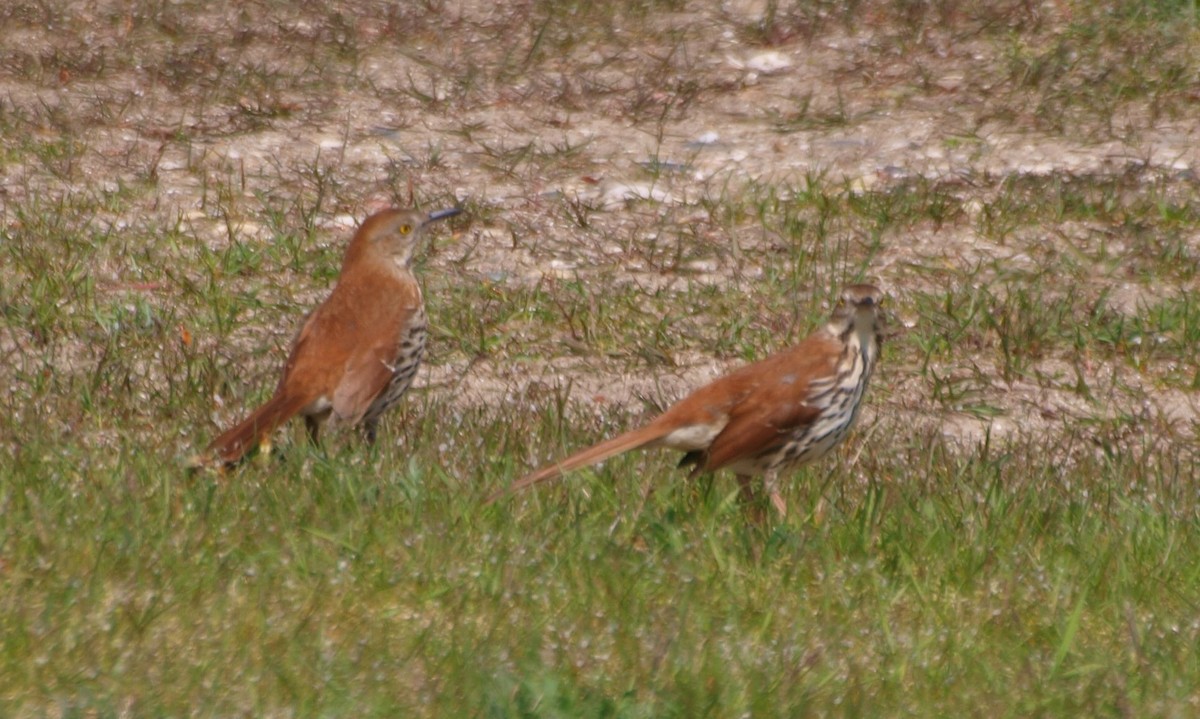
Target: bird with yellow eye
358, 351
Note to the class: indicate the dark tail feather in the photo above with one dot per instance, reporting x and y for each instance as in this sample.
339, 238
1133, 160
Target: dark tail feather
235, 443
592, 455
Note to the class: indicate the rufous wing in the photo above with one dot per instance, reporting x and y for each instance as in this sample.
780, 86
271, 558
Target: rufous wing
367, 374
775, 401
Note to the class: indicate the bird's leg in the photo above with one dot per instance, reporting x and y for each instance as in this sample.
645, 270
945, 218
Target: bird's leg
770, 484
313, 425
750, 498
746, 485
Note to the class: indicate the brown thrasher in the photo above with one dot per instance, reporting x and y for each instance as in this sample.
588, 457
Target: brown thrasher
357, 353
781, 412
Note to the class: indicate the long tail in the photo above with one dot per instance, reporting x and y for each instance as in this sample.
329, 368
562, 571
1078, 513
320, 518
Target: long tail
633, 439
233, 444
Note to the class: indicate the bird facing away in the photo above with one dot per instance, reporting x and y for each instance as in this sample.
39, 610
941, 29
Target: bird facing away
357, 353
778, 413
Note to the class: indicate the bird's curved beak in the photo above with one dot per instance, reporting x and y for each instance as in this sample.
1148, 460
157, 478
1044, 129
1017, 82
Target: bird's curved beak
443, 214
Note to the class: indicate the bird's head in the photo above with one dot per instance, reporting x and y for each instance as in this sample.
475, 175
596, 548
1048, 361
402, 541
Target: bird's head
396, 233
858, 310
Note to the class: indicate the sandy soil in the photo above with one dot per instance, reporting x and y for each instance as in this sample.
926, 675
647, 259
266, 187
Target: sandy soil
641, 128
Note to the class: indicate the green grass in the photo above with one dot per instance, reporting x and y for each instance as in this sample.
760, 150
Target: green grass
377, 583
1011, 531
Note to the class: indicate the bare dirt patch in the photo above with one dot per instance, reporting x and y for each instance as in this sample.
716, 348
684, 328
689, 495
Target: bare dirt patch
645, 145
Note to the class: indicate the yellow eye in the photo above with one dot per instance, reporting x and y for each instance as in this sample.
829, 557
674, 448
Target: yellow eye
405, 229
